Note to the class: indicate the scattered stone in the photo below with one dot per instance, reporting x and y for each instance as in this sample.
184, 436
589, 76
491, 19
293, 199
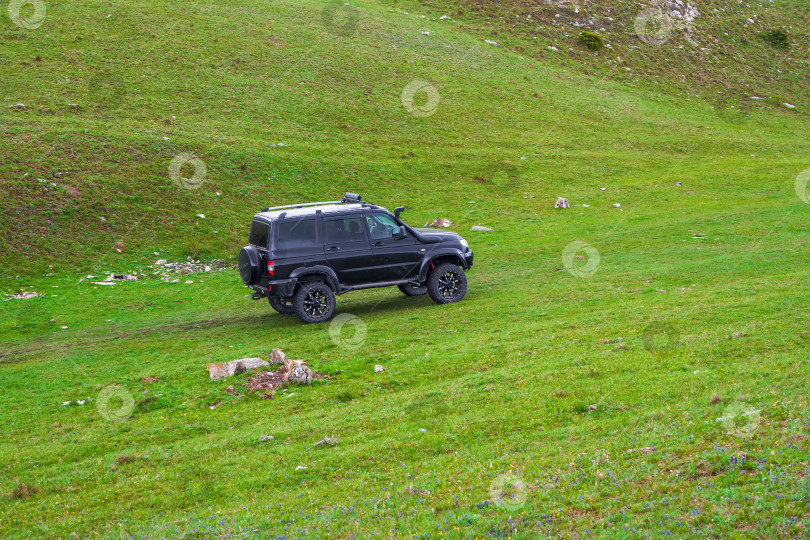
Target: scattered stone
490, 42
616, 205
592, 408
553, 48
378, 369
228, 369
277, 356
298, 372
201, 216
677, 184
480, 228
610, 340
265, 438
149, 380
561, 203
439, 222
790, 105
328, 441
18, 107
300, 468
23, 295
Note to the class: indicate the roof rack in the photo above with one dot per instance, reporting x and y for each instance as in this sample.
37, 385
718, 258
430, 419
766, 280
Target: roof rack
348, 198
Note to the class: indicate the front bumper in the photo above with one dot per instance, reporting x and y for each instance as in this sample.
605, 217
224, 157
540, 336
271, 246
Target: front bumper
468, 258
282, 288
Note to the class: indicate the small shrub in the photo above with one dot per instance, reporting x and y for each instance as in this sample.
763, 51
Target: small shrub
23, 491
592, 40
776, 38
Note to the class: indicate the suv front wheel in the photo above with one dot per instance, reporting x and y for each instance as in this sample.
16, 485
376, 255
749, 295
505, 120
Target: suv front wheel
314, 303
447, 283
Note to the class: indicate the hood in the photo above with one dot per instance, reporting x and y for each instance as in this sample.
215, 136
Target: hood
438, 234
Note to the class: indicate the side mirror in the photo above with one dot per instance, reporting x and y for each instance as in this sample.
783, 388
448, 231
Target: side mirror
398, 210
400, 233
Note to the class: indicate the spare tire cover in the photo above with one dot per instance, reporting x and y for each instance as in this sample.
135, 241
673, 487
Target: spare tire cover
249, 265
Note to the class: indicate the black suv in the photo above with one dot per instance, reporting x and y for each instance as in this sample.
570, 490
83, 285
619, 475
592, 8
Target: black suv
300, 256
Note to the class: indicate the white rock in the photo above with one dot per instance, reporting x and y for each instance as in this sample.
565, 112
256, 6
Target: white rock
479, 228
490, 42
201, 216
378, 369
616, 205
562, 202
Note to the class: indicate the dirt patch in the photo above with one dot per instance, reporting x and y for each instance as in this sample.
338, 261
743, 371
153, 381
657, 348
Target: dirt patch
265, 382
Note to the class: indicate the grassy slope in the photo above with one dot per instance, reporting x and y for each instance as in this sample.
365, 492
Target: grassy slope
511, 370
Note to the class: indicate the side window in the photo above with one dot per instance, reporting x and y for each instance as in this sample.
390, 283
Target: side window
381, 226
344, 229
259, 234
297, 234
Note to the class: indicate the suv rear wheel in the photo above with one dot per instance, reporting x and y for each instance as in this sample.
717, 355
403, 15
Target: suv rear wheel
447, 283
413, 290
314, 302
282, 305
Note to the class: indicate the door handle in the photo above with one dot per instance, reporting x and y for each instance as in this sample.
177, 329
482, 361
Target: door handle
333, 248
378, 243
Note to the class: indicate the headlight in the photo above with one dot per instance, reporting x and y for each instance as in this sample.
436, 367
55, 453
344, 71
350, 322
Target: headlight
464, 243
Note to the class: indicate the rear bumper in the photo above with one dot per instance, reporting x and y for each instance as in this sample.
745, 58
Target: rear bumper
282, 288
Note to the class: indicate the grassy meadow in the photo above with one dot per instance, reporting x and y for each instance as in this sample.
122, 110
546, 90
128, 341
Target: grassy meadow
638, 371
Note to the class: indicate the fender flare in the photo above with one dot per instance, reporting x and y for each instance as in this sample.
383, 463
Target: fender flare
423, 270
331, 277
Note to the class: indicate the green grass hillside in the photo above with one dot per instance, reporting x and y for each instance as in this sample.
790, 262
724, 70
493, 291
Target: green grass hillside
613, 371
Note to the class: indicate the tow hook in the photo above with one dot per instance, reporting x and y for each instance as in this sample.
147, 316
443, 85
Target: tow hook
257, 296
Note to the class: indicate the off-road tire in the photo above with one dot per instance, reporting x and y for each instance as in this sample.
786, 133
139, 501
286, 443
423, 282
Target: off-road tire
447, 283
314, 302
411, 290
249, 269
282, 305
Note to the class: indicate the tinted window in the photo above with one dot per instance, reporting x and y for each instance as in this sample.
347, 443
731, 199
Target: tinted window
301, 233
340, 230
381, 226
259, 234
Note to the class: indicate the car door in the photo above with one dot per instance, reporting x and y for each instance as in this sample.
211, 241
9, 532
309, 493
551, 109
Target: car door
395, 256
347, 249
